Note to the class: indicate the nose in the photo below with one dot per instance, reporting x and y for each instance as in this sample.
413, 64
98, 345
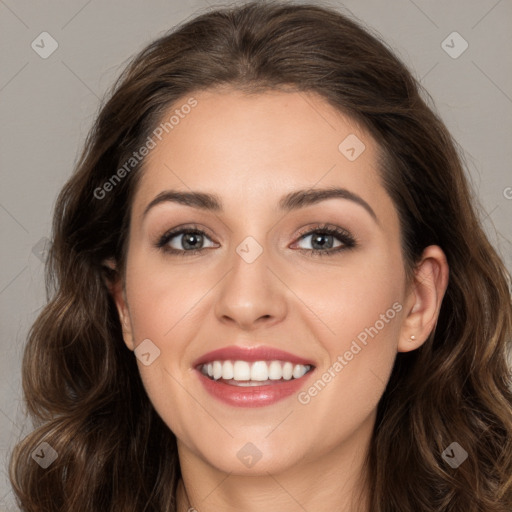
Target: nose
252, 294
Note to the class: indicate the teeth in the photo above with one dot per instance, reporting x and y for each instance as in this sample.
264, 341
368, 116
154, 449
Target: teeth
287, 371
217, 370
298, 371
227, 370
275, 371
241, 370
257, 371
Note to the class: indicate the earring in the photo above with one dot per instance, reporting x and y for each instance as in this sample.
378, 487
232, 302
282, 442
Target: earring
413, 338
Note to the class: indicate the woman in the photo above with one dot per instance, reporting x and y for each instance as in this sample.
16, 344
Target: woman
196, 353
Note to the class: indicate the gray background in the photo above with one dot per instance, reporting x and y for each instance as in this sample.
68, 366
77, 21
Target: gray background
47, 106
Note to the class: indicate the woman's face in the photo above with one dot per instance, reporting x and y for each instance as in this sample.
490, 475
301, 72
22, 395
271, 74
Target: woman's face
255, 291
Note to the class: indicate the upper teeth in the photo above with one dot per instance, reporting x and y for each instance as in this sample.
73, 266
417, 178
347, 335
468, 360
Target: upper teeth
258, 370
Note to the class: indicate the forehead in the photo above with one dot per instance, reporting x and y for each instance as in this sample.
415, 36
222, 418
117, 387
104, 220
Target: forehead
252, 149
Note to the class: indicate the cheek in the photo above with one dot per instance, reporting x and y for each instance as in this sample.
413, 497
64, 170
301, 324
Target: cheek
161, 304
358, 363
354, 296
160, 296
360, 308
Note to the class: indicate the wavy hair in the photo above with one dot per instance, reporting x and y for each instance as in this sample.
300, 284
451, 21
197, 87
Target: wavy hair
80, 382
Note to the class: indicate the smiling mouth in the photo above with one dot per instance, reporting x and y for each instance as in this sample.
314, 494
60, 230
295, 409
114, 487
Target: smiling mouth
258, 373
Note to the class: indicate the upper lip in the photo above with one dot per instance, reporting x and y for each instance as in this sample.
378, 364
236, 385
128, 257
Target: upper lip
250, 354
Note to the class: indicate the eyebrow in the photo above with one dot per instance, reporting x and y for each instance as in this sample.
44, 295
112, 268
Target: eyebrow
292, 201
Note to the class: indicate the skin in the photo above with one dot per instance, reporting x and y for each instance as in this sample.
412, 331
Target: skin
250, 150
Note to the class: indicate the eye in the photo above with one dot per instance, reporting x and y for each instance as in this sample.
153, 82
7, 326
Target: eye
183, 241
187, 241
322, 238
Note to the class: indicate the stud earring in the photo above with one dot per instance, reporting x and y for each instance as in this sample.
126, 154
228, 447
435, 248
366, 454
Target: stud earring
413, 338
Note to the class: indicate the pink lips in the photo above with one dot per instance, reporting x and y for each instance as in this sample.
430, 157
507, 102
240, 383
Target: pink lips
254, 396
250, 354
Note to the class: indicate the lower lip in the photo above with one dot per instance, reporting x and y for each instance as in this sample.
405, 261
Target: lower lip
253, 396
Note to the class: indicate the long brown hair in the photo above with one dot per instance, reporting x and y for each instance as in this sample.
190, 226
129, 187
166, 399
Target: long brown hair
81, 384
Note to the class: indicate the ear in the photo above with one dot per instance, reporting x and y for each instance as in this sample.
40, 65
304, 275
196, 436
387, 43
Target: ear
424, 299
115, 285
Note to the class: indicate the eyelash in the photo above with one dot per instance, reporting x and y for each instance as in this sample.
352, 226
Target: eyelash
343, 236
